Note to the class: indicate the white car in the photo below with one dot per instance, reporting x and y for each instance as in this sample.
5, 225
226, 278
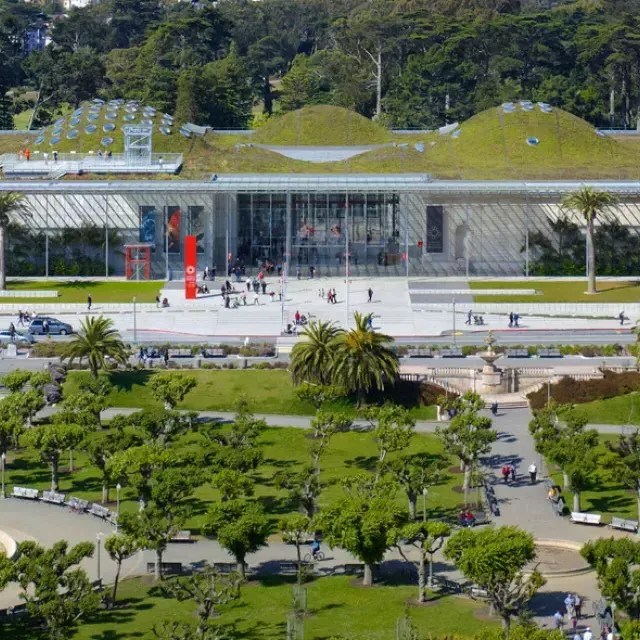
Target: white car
18, 338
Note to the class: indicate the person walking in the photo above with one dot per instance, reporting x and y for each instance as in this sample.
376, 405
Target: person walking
512, 471
20, 318
263, 284
558, 619
298, 273
511, 320
533, 472
334, 297
577, 603
205, 275
587, 635
505, 473
621, 316
12, 332
256, 299
370, 293
45, 327
89, 302
297, 317
516, 319
469, 317
249, 284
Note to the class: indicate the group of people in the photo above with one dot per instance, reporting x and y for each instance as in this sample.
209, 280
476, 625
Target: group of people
509, 471
466, 519
257, 284
164, 302
332, 297
24, 317
300, 319
573, 609
209, 273
514, 318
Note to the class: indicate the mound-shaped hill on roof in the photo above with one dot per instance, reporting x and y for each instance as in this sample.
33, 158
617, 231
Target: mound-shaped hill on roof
321, 126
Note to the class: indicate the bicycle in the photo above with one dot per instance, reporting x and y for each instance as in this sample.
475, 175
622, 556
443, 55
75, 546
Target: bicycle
310, 557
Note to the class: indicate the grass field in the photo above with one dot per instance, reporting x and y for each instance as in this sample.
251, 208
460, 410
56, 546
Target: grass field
560, 291
623, 409
284, 448
335, 606
604, 495
77, 291
268, 391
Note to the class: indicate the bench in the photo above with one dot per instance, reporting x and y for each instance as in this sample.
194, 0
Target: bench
626, 525
354, 569
444, 584
53, 497
480, 517
77, 504
585, 518
166, 568
516, 353
24, 492
180, 353
183, 536
99, 511
291, 568
419, 353
451, 353
549, 353
214, 353
225, 568
477, 593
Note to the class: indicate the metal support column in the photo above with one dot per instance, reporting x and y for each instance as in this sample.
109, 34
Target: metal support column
526, 238
467, 242
46, 239
106, 236
406, 238
227, 238
346, 261
286, 263
166, 238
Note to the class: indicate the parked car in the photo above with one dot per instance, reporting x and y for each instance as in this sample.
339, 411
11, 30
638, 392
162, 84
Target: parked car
18, 338
55, 327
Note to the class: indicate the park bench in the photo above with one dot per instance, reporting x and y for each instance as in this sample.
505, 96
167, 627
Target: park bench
99, 511
516, 353
445, 585
214, 353
477, 593
585, 518
24, 492
19, 611
183, 536
420, 353
77, 504
166, 568
626, 525
451, 353
225, 568
549, 353
291, 568
180, 353
480, 517
354, 569
53, 497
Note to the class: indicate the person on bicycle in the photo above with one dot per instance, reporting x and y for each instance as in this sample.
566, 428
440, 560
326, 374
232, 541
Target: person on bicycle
315, 549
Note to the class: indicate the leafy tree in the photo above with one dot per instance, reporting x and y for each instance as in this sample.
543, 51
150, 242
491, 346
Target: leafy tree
303, 486
187, 104
158, 426
209, 590
301, 86
427, 538
98, 342
24, 404
16, 380
232, 484
295, 530
312, 358
624, 464
365, 522
617, 565
55, 590
392, 430
495, 560
590, 203
101, 449
171, 389
468, 435
11, 428
12, 205
317, 395
363, 359
325, 425
119, 548
239, 526
51, 440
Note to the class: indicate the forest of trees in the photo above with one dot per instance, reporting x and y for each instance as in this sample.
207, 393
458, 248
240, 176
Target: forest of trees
410, 63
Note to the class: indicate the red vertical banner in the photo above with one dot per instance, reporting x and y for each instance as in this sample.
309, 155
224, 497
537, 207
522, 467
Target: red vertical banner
190, 271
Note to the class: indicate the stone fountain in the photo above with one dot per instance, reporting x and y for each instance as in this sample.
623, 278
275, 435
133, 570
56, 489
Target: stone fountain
491, 381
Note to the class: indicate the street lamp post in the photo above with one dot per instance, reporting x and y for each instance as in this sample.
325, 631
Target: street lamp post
118, 487
3, 459
454, 322
425, 491
135, 327
548, 391
98, 540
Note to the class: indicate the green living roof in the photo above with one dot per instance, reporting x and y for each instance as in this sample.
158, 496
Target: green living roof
496, 144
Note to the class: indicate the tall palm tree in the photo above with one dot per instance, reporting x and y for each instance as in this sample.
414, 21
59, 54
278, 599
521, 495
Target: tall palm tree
590, 203
311, 360
363, 359
97, 341
11, 203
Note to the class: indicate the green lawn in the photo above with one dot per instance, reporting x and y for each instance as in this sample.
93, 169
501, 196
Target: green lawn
268, 391
623, 409
604, 495
284, 449
78, 290
334, 605
561, 291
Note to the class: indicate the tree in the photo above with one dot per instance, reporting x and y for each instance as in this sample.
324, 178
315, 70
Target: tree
468, 435
12, 205
209, 590
119, 548
325, 425
101, 449
317, 395
51, 440
427, 538
365, 521
617, 565
495, 560
232, 484
24, 404
590, 203
98, 342
16, 380
363, 359
312, 358
11, 428
239, 526
392, 430
301, 86
625, 462
295, 530
55, 590
171, 388
153, 528
90, 401
158, 427
303, 486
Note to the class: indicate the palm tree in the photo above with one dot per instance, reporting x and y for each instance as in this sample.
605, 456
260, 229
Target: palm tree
311, 360
11, 203
363, 360
97, 341
590, 203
